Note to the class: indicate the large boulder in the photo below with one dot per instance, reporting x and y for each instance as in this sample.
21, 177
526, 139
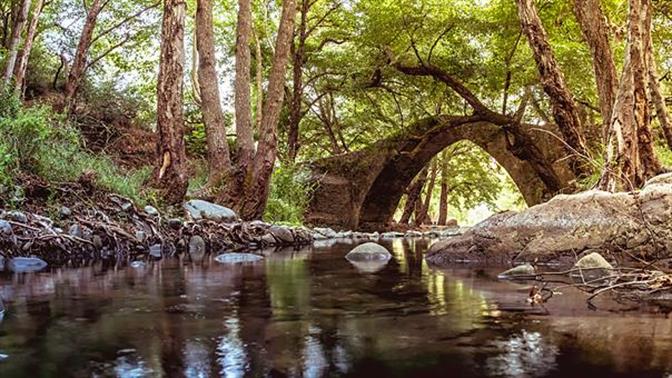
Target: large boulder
369, 252
199, 209
557, 231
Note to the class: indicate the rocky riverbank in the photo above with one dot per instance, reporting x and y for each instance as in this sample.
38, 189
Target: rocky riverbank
116, 229
626, 228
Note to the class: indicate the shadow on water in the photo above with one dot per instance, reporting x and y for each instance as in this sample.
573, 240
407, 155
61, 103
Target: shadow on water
312, 313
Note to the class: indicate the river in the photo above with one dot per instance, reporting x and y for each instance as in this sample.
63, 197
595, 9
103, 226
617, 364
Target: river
312, 313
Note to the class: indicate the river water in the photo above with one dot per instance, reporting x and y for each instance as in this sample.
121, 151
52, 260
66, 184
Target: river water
311, 313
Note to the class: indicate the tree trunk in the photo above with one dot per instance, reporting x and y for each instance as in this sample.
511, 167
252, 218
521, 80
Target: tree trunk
15, 41
79, 62
413, 196
630, 158
298, 60
553, 82
170, 175
423, 216
244, 134
219, 163
595, 31
22, 63
443, 199
257, 185
657, 96
259, 80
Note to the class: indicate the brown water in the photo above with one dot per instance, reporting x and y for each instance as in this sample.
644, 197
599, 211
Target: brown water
311, 313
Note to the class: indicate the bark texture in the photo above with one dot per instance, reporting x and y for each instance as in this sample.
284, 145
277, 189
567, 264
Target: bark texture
257, 183
298, 61
22, 63
595, 31
443, 197
78, 66
630, 157
413, 196
219, 162
422, 216
657, 96
170, 174
15, 41
244, 132
562, 103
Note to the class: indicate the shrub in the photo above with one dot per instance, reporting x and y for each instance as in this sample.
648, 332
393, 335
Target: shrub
290, 194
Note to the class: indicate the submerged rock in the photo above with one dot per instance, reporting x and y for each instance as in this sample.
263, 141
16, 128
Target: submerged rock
372, 266
369, 252
557, 230
235, 258
26, 264
137, 264
199, 209
520, 270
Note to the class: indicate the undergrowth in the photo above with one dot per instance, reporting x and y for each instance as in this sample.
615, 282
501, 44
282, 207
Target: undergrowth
37, 140
290, 194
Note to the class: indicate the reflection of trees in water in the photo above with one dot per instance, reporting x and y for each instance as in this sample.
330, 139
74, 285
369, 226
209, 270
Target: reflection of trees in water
526, 354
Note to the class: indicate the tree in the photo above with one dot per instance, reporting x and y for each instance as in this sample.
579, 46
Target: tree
257, 180
630, 159
22, 64
552, 80
443, 197
244, 134
170, 175
79, 62
15, 41
422, 215
219, 162
413, 196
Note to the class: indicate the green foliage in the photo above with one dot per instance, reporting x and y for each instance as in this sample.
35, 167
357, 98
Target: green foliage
35, 141
290, 195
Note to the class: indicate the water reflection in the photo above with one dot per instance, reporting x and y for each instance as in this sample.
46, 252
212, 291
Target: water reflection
310, 313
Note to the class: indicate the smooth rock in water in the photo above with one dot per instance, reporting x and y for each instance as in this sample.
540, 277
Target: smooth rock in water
199, 209
17, 216
369, 252
26, 264
413, 234
175, 223
155, 251
593, 261
151, 210
282, 235
235, 257
64, 212
137, 264
196, 246
520, 270
5, 228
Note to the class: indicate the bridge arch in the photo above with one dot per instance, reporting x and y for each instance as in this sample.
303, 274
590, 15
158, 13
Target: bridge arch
362, 189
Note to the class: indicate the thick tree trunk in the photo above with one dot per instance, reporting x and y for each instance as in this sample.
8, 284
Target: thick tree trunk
423, 217
22, 63
630, 157
298, 60
259, 75
79, 62
553, 82
257, 185
219, 162
15, 41
443, 198
413, 196
595, 31
244, 134
170, 175
657, 96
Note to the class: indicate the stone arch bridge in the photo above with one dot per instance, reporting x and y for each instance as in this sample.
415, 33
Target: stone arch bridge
362, 189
